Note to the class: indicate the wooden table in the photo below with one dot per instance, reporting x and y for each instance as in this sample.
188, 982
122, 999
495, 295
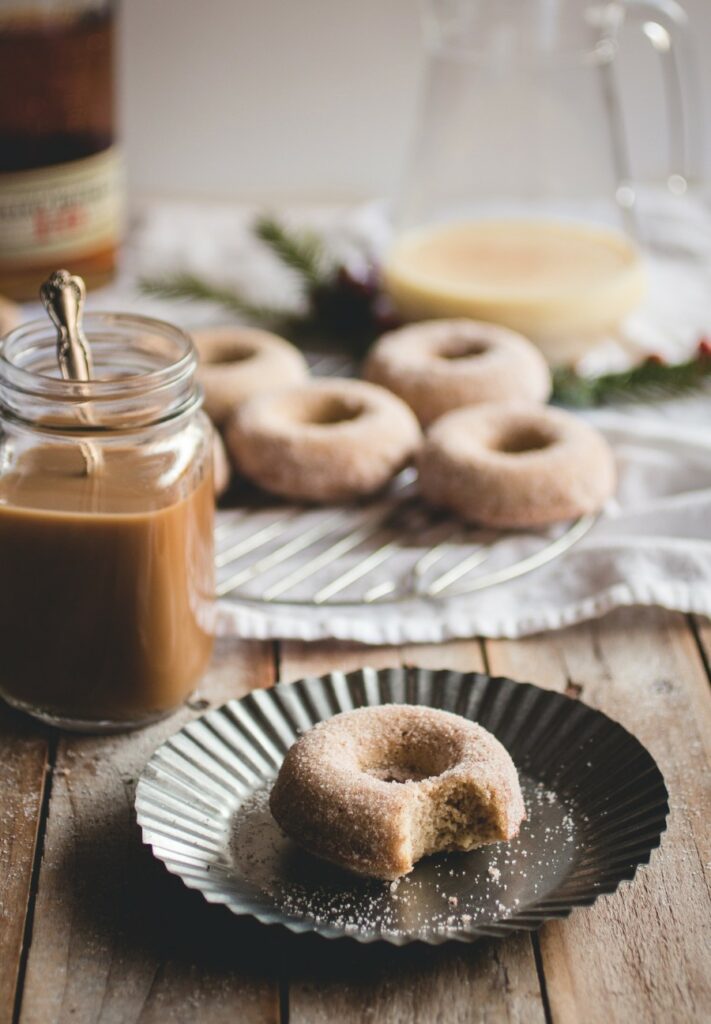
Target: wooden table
92, 929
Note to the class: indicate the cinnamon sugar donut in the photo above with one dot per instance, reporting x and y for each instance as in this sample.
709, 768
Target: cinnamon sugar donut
326, 441
515, 464
376, 789
439, 365
238, 362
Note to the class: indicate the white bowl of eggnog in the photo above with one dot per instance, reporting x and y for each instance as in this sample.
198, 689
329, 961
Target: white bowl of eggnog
563, 284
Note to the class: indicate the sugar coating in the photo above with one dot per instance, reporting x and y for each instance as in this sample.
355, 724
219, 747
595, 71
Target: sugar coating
238, 362
515, 464
376, 789
329, 440
439, 365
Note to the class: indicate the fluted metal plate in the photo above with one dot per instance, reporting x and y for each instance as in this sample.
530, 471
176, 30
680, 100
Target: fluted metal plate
596, 802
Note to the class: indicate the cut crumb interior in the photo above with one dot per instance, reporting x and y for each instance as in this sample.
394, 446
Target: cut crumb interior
449, 814
451, 817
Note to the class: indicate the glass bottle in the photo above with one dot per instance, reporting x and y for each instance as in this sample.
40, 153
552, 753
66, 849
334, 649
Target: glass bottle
106, 525
60, 170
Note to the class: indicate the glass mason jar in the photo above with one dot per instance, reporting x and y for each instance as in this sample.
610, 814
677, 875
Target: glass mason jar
106, 526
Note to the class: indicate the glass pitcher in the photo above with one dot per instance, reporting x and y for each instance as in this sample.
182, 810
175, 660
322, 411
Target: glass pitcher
518, 206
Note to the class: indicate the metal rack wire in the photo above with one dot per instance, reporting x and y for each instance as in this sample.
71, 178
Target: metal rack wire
389, 549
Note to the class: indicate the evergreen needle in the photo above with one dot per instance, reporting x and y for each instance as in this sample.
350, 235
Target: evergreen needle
649, 381
339, 311
301, 251
185, 285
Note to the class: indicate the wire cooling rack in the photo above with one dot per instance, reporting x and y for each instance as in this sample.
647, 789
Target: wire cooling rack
387, 549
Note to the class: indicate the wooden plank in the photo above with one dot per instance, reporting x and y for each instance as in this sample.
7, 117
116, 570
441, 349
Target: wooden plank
345, 982
23, 772
298, 659
453, 984
116, 939
642, 954
702, 631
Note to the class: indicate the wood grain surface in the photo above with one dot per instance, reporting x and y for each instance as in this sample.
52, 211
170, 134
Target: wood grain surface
24, 761
115, 939
97, 932
420, 984
644, 953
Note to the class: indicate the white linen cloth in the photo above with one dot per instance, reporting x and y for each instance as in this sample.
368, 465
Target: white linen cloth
651, 546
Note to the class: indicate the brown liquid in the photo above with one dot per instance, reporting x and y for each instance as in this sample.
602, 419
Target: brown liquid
103, 614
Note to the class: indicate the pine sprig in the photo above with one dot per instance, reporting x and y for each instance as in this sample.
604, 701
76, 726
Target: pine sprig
649, 381
185, 285
339, 305
351, 310
302, 251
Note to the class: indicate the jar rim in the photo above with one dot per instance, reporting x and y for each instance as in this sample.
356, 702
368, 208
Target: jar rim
42, 385
163, 384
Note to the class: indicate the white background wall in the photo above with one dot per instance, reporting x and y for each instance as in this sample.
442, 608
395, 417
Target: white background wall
301, 99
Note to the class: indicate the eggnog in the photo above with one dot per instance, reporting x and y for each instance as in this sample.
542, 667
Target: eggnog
561, 283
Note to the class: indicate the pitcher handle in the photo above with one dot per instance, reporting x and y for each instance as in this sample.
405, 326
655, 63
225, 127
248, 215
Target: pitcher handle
666, 25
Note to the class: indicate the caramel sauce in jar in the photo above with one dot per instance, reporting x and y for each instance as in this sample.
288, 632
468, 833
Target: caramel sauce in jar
108, 563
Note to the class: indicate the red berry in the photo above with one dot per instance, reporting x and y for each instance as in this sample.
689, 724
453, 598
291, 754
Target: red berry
363, 283
704, 348
654, 359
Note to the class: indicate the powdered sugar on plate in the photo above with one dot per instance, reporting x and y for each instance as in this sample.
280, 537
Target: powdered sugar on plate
445, 893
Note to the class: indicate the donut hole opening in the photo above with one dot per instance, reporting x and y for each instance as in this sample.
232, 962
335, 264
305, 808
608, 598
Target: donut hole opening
519, 439
463, 348
409, 761
229, 352
454, 817
329, 411
397, 773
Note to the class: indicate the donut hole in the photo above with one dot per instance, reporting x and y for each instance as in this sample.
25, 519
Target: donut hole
409, 760
227, 351
521, 438
463, 348
329, 410
397, 773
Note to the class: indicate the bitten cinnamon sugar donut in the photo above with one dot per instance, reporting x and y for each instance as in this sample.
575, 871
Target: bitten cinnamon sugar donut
439, 365
326, 441
376, 789
238, 362
515, 464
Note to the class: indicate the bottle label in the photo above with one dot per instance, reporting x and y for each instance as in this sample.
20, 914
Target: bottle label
66, 211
